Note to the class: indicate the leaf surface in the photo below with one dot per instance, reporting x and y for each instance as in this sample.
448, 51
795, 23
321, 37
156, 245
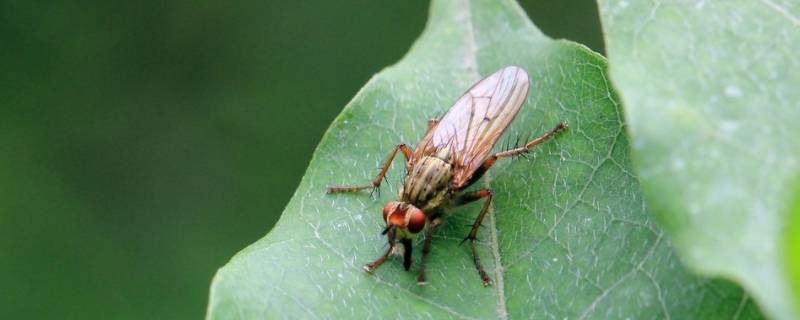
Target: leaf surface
712, 101
568, 235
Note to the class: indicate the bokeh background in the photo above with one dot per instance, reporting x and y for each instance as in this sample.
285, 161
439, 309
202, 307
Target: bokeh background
143, 143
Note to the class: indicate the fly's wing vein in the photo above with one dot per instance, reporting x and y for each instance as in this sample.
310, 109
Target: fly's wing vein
476, 121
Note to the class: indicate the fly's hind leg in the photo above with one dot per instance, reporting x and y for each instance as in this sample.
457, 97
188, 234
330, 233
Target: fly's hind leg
376, 183
472, 237
489, 162
530, 144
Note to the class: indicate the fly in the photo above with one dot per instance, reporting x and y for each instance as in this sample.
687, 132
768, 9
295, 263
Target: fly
454, 153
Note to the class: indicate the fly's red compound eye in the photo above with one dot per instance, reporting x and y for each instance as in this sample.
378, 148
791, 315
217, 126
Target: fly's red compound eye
389, 208
416, 220
395, 214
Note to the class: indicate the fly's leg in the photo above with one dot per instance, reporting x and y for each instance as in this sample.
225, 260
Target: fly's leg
530, 144
486, 193
489, 162
426, 248
409, 247
375, 185
467, 198
378, 262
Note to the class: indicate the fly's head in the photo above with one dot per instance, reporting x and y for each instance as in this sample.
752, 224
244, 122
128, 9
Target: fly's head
403, 220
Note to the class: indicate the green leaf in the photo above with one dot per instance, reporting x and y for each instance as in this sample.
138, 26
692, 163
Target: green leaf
791, 236
568, 235
712, 103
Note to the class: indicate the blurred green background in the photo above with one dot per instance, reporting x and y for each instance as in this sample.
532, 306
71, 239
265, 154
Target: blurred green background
145, 143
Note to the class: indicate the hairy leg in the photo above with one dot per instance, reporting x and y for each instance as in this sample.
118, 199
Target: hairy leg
472, 236
376, 183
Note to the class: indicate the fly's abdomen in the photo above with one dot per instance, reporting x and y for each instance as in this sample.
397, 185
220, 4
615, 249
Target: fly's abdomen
426, 184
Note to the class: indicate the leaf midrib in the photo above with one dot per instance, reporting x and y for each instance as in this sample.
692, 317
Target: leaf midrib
472, 65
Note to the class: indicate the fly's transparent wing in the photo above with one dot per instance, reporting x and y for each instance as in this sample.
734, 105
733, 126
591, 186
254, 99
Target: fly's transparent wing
475, 122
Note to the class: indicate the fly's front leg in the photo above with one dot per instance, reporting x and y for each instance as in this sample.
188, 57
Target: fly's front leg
467, 198
426, 248
375, 185
378, 262
530, 144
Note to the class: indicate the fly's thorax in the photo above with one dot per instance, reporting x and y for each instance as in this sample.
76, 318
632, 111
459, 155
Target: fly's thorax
426, 184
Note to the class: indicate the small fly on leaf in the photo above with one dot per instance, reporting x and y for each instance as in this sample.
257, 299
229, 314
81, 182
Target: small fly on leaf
454, 153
